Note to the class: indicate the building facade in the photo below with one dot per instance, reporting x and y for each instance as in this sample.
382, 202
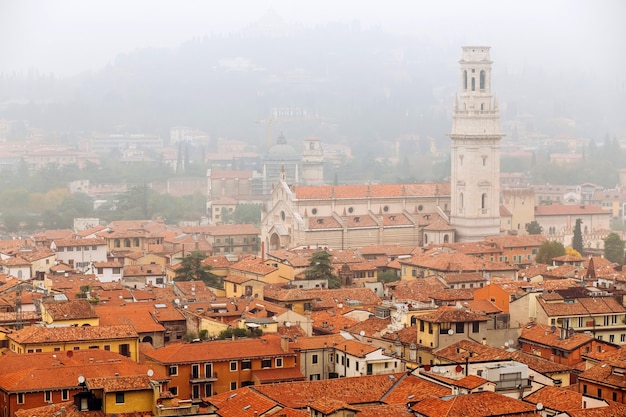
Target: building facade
475, 177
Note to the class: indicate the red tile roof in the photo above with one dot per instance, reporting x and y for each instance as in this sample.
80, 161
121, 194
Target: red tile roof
39, 335
480, 404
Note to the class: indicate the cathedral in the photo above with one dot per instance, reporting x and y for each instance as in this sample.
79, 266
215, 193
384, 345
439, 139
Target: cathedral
465, 209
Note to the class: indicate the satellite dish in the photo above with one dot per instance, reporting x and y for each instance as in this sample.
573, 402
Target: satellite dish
362, 333
511, 343
506, 344
539, 406
81, 379
288, 323
150, 372
436, 369
450, 332
177, 301
553, 329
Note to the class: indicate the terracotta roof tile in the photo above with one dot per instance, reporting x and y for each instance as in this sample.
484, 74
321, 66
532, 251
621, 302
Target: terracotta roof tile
542, 334
220, 350
69, 310
35, 334
354, 390
374, 191
480, 404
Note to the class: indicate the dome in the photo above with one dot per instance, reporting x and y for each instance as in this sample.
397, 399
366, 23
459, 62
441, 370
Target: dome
281, 148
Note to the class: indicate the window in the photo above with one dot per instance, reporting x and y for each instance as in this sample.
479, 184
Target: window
233, 366
314, 359
233, 385
173, 370
125, 349
48, 396
421, 325
70, 249
65, 395
599, 392
94, 247
475, 326
460, 328
482, 79
266, 363
20, 398
208, 370
119, 398
208, 390
116, 271
195, 391
127, 243
279, 362
444, 328
195, 371
622, 337
107, 347
430, 328
612, 338
85, 248
174, 391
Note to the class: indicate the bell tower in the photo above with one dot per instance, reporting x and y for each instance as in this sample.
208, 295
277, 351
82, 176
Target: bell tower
475, 150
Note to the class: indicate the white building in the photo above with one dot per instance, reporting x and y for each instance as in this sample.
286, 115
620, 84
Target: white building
80, 253
475, 135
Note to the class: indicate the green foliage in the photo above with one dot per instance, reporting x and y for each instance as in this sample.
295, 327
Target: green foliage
203, 334
534, 228
614, 248
192, 269
577, 239
388, 276
548, 250
229, 333
321, 266
247, 213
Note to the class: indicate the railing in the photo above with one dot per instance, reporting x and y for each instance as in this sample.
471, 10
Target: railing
513, 384
195, 378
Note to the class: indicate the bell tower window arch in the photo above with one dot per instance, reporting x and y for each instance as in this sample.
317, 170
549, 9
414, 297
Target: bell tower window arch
482, 80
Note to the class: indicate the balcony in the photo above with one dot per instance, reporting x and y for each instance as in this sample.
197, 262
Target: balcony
197, 378
513, 384
184, 408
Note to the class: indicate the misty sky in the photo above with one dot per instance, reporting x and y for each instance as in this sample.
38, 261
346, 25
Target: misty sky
67, 37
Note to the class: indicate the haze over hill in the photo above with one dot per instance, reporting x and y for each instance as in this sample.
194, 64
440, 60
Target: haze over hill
366, 73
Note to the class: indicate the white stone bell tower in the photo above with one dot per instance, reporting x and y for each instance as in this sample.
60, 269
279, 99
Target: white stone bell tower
475, 157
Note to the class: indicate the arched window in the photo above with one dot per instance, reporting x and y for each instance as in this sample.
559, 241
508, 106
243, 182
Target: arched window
483, 201
446, 238
465, 80
127, 243
136, 242
460, 200
425, 239
482, 79
473, 83
116, 243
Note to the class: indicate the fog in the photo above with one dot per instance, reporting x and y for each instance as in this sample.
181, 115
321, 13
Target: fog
67, 37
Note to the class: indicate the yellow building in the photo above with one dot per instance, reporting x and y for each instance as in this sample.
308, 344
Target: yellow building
124, 394
237, 286
122, 339
69, 313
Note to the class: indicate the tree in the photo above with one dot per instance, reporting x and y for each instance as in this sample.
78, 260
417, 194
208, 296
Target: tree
388, 276
321, 267
572, 252
192, 269
549, 250
614, 248
577, 240
534, 228
247, 213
